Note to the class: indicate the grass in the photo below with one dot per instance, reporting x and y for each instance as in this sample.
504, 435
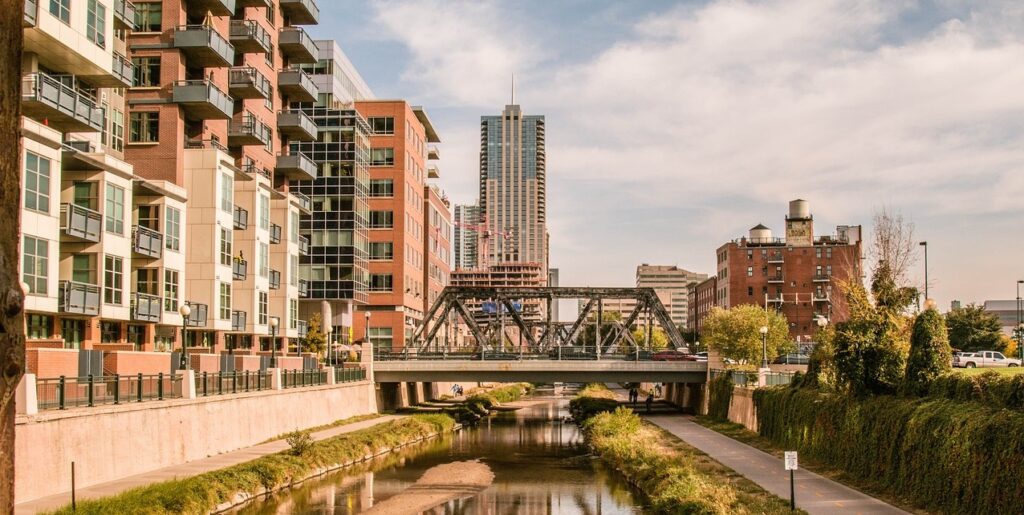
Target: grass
1007, 371
508, 393
202, 493
342, 422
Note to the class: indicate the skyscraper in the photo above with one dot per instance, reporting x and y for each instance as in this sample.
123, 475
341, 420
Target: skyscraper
467, 250
513, 182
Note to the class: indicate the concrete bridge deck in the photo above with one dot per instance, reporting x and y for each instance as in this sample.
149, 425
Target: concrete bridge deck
540, 371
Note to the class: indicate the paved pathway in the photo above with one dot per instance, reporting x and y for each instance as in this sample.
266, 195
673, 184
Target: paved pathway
816, 494
191, 468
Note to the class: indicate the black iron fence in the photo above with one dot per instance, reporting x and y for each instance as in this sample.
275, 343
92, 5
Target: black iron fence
219, 383
349, 374
94, 390
300, 378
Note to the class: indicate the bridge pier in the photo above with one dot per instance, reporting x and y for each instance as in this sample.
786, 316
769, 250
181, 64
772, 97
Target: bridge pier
688, 396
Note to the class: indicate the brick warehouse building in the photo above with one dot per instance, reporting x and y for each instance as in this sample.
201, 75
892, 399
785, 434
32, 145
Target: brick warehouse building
797, 275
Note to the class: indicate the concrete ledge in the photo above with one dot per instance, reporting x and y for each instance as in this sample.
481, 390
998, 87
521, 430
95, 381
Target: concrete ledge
539, 371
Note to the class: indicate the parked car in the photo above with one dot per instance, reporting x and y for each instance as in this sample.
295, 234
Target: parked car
672, 355
701, 356
793, 359
984, 359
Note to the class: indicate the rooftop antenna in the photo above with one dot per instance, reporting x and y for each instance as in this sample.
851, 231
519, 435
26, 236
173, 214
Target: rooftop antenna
513, 89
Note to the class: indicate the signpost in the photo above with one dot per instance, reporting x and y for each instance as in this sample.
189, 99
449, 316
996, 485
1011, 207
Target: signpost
791, 465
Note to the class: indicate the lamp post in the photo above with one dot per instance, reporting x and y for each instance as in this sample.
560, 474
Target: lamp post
273, 341
366, 334
328, 329
1020, 321
925, 245
764, 346
184, 310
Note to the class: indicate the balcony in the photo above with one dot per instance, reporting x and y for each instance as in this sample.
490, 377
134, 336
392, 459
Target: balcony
62, 107
775, 257
296, 167
777, 278
203, 46
123, 70
146, 308
202, 100
147, 242
775, 300
275, 280
301, 328
303, 246
297, 85
239, 269
215, 7
197, 317
433, 172
205, 144
303, 288
302, 201
124, 15
297, 46
820, 297
79, 298
254, 3
246, 130
238, 320
77, 155
31, 9
81, 222
275, 233
241, 219
301, 12
297, 126
249, 37
821, 278
432, 153
247, 82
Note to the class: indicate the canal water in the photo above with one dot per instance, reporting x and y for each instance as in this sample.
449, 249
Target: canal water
539, 460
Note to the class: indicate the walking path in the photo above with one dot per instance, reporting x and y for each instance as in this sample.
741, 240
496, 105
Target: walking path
815, 494
191, 468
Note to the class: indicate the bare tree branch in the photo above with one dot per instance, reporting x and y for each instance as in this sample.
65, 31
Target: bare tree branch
892, 241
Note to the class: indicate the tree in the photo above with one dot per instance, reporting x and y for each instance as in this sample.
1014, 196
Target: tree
735, 333
930, 355
893, 244
659, 339
821, 368
971, 328
588, 334
315, 340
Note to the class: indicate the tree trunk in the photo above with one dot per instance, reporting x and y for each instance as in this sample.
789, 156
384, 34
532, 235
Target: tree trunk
12, 298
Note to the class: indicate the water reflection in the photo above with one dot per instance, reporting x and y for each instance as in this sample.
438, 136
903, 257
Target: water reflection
539, 462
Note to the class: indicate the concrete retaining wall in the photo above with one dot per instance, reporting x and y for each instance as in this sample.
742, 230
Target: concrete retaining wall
110, 442
741, 408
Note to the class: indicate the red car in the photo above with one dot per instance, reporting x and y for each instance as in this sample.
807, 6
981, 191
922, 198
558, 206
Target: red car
672, 355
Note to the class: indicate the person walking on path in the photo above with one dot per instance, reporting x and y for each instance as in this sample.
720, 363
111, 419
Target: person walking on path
649, 401
657, 390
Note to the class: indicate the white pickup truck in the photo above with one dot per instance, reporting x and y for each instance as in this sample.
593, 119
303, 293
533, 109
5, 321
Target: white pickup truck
987, 358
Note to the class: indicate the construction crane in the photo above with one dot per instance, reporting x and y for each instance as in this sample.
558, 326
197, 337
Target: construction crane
484, 234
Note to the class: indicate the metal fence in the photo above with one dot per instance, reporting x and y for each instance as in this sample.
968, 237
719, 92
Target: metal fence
71, 392
299, 378
749, 379
349, 374
219, 383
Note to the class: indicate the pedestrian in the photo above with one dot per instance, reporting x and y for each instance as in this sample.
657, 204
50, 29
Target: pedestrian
632, 396
657, 390
455, 389
650, 400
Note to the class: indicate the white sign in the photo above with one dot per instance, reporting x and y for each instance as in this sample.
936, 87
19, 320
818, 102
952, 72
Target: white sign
791, 460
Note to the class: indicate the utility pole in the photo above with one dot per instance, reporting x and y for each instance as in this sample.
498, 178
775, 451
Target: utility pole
12, 316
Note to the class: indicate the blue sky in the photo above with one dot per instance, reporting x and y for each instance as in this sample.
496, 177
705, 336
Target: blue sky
675, 126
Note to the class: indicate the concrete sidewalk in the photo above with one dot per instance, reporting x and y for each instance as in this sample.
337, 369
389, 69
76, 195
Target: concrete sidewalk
184, 470
814, 493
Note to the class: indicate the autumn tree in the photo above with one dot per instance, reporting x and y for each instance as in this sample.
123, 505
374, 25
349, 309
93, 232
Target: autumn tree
930, 355
736, 333
315, 340
971, 328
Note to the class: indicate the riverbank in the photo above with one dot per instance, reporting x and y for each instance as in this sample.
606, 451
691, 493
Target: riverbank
673, 476
477, 403
220, 490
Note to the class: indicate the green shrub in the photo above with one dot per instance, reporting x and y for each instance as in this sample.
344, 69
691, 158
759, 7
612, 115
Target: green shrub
945, 456
930, 355
300, 442
990, 388
591, 400
719, 396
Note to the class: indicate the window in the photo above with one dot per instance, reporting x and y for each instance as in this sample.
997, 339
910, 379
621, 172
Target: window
117, 131
145, 127
113, 279
147, 71
110, 332
382, 188
264, 212
293, 227
750, 271
293, 313
750, 291
381, 282
293, 270
147, 280
383, 250
148, 16
39, 326
263, 308
61, 9
227, 194
37, 182
225, 247
384, 125
172, 229
170, 290
264, 260
225, 301
382, 157
382, 219
96, 23
380, 337
85, 195
83, 269
35, 265
115, 209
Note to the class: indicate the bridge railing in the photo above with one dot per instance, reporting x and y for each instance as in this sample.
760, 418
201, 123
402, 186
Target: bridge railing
749, 379
563, 353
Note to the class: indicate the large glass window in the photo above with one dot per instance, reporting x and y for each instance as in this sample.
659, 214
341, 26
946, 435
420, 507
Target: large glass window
148, 16
83, 268
382, 125
39, 326
115, 209
37, 182
172, 229
264, 212
225, 247
382, 250
35, 265
85, 195
225, 301
113, 279
381, 282
61, 9
227, 193
145, 127
264, 260
382, 219
382, 188
293, 227
293, 269
382, 157
147, 71
96, 23
293, 313
170, 290
117, 131
147, 280
381, 338
262, 308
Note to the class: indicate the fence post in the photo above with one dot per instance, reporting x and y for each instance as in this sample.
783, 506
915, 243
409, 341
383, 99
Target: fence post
204, 383
234, 381
331, 379
60, 392
139, 387
90, 391
220, 383
117, 388
160, 386
188, 384
27, 402
274, 376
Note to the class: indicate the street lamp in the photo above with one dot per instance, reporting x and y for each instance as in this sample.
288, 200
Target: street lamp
184, 310
273, 341
366, 334
764, 346
1020, 322
925, 245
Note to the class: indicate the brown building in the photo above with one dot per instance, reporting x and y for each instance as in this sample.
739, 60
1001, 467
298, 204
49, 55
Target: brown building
797, 275
701, 297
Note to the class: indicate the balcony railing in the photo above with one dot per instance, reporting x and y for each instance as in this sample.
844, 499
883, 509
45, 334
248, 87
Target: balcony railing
124, 15
241, 219
247, 130
249, 37
297, 45
203, 45
202, 100
275, 233
79, 298
31, 10
204, 144
238, 320
297, 85
81, 222
196, 317
821, 278
147, 242
45, 98
303, 288
146, 308
254, 3
123, 70
215, 7
247, 82
777, 278
303, 245
820, 297
301, 328
296, 166
240, 269
275, 280
301, 12
775, 257
297, 125
302, 200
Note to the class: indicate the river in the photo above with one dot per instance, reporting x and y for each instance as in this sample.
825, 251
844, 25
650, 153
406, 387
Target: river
539, 462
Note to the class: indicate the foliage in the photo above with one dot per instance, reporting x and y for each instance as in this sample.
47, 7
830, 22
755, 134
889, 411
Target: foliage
689, 335
944, 456
202, 493
735, 333
659, 339
719, 396
593, 399
1008, 346
300, 442
930, 355
821, 368
315, 340
991, 388
971, 328
508, 393
893, 244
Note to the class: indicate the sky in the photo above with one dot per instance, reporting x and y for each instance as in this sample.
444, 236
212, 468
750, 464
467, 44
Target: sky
674, 127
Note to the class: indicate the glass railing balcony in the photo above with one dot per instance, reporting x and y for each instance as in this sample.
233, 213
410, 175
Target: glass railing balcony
297, 45
302, 200
123, 70
297, 85
249, 37
240, 269
275, 233
146, 308
215, 7
46, 98
79, 298
297, 125
31, 10
124, 15
301, 12
203, 46
147, 242
204, 144
197, 315
81, 222
303, 245
303, 288
247, 130
238, 320
275, 280
247, 82
202, 100
241, 219
296, 167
